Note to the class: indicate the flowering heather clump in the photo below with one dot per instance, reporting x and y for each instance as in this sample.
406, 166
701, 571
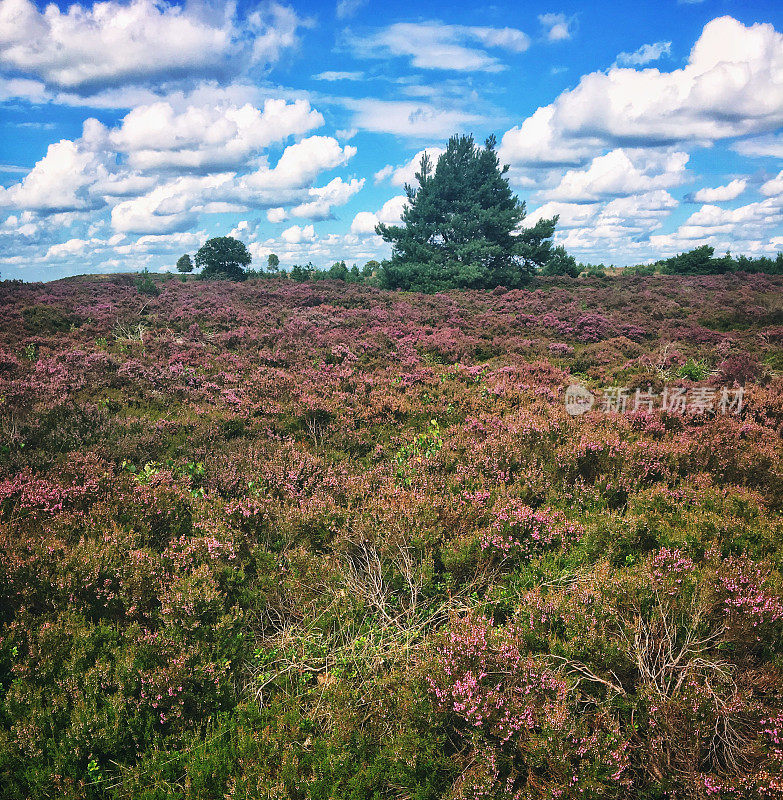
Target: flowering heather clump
521, 707
491, 685
745, 595
670, 567
319, 540
519, 529
560, 349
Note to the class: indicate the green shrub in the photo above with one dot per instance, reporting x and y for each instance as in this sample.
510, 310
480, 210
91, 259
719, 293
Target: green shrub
48, 319
145, 284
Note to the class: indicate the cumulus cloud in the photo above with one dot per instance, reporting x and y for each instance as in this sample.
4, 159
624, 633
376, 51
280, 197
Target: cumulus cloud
175, 205
61, 181
162, 166
616, 174
433, 45
571, 215
557, 27
720, 194
207, 137
168, 208
322, 250
645, 210
744, 229
16, 88
159, 244
296, 234
71, 248
540, 142
300, 164
336, 193
112, 43
731, 86
390, 214
646, 54
275, 215
608, 230
406, 173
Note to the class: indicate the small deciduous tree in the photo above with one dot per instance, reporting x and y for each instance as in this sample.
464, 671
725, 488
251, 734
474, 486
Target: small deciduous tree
223, 257
462, 226
185, 264
273, 263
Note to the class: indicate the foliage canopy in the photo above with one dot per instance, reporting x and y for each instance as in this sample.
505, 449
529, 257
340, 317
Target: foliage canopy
461, 226
185, 264
223, 257
702, 261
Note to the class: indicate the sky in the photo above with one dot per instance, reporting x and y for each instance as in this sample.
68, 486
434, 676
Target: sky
133, 130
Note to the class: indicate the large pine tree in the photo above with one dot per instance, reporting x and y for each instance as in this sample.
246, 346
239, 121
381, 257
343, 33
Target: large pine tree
461, 226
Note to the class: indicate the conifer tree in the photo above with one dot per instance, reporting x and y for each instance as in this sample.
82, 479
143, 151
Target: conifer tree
461, 226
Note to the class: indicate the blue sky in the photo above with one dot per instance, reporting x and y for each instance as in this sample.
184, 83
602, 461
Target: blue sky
132, 130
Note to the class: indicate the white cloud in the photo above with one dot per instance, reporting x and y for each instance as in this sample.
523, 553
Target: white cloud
241, 229
741, 229
774, 187
608, 230
720, 194
114, 43
275, 215
14, 88
300, 164
615, 174
123, 184
336, 193
539, 141
166, 243
406, 173
390, 214
347, 8
364, 223
642, 211
272, 29
557, 27
70, 248
407, 118
61, 181
332, 75
731, 86
646, 54
769, 146
572, 215
295, 234
207, 137
86, 174
433, 45
322, 250
169, 208
383, 173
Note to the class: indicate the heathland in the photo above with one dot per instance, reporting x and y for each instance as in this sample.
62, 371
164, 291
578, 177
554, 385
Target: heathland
318, 540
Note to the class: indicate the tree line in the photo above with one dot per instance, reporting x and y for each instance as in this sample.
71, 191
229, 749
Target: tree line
462, 229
